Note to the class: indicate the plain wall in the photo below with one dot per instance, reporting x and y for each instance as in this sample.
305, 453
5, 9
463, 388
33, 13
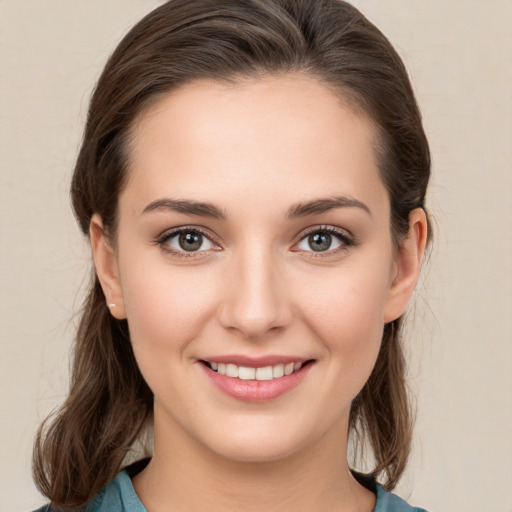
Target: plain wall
459, 53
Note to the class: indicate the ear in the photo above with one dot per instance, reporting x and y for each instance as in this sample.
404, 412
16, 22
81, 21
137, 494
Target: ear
408, 260
105, 262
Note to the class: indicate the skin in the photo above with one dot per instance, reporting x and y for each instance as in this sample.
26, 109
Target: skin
254, 150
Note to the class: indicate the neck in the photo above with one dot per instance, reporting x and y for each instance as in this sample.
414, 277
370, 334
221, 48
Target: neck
186, 476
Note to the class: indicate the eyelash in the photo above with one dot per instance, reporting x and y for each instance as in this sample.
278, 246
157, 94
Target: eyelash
345, 240
164, 238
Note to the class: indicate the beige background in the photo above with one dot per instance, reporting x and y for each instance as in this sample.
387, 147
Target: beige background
459, 53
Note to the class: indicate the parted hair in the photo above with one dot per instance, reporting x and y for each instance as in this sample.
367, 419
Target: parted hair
109, 407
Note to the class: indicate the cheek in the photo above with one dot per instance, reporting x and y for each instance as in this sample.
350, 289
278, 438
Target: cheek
346, 311
348, 300
166, 310
165, 306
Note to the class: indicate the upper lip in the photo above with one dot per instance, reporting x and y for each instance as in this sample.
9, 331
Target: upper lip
255, 362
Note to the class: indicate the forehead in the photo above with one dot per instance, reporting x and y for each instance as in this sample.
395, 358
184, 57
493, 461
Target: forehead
288, 132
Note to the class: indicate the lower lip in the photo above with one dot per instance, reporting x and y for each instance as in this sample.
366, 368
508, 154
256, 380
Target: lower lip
256, 390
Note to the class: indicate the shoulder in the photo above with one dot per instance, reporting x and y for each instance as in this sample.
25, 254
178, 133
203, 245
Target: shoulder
118, 496
386, 501
389, 502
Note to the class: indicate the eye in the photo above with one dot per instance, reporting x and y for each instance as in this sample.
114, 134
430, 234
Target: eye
186, 240
324, 240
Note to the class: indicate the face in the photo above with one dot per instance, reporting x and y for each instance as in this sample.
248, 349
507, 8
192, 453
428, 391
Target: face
254, 264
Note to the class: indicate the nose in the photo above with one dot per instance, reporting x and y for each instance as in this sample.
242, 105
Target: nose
255, 303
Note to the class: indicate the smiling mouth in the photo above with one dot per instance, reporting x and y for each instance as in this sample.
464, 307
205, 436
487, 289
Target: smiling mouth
251, 373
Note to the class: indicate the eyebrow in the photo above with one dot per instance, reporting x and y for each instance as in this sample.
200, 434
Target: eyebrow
302, 209
186, 206
323, 205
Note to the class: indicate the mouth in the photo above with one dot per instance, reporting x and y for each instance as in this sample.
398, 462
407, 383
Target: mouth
256, 373
256, 379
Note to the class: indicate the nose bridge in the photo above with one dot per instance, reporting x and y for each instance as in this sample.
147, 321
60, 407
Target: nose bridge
257, 301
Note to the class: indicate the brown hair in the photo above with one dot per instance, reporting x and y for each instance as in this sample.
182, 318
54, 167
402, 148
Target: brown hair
109, 404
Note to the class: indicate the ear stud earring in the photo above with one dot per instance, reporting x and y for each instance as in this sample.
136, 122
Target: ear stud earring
110, 306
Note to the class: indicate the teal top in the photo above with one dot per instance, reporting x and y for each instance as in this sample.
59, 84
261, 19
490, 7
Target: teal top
119, 496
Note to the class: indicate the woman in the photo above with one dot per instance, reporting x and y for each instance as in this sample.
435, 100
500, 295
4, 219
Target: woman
252, 180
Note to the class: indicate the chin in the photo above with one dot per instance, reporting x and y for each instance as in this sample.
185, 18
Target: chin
259, 443
258, 451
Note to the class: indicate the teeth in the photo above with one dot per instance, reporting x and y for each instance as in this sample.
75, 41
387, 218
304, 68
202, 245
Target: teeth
232, 370
245, 373
288, 369
248, 373
278, 371
264, 373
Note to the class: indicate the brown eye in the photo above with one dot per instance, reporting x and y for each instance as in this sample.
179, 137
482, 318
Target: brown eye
325, 240
188, 241
320, 241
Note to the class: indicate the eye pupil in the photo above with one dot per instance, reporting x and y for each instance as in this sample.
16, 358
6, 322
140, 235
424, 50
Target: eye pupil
190, 241
320, 241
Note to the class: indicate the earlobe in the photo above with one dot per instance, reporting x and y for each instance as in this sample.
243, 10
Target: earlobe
105, 262
409, 257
